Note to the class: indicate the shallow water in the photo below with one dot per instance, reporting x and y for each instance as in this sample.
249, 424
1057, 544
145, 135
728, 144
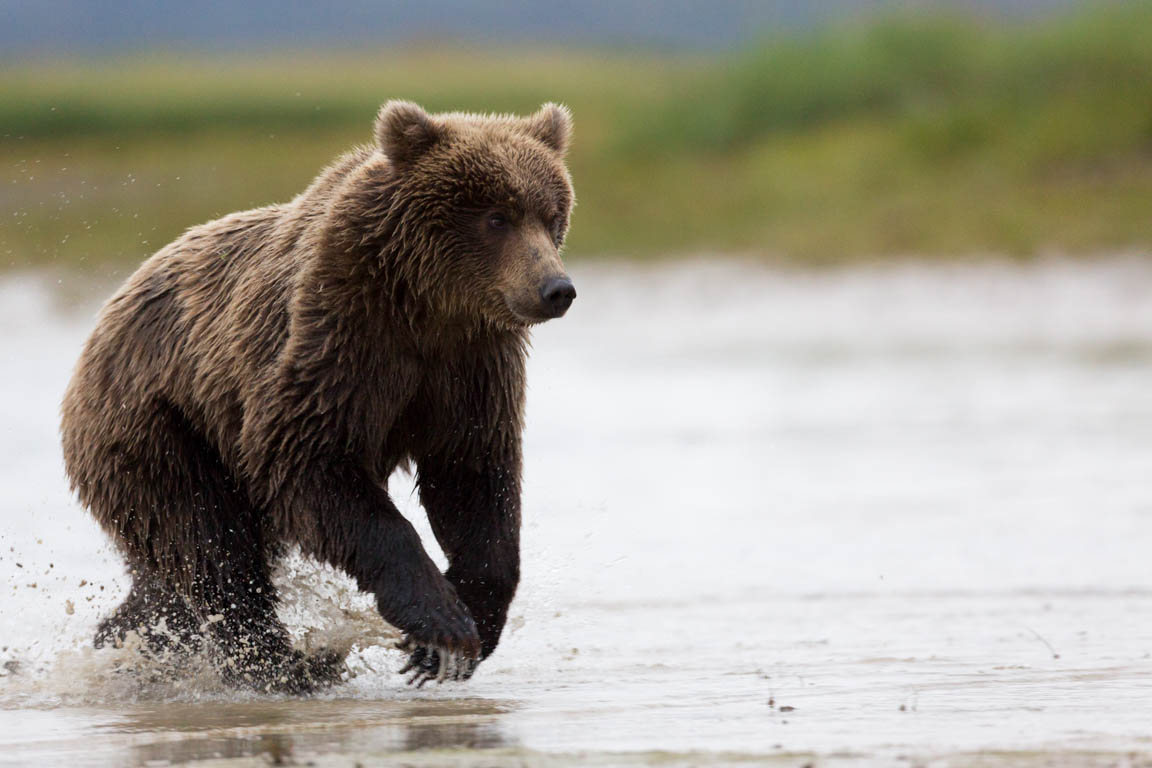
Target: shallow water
853, 516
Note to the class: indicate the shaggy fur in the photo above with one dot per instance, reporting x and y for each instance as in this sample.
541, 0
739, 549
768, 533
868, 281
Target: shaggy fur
256, 382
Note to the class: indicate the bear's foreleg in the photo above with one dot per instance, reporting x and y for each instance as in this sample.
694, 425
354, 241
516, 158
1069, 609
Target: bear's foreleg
339, 515
475, 515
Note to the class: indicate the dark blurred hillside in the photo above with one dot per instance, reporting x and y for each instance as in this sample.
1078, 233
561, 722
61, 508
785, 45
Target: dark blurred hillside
71, 27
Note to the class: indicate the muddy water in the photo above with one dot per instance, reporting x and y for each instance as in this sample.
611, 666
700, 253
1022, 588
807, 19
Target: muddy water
894, 514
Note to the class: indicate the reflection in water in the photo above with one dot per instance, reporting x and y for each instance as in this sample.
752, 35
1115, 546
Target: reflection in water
284, 732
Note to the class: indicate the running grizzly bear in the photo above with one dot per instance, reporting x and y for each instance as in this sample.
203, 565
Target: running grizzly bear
256, 382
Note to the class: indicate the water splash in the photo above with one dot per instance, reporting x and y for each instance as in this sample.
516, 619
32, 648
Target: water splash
321, 607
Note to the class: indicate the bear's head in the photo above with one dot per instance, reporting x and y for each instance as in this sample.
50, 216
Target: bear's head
485, 200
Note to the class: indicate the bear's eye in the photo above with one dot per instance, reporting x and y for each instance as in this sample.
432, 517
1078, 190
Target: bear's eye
497, 221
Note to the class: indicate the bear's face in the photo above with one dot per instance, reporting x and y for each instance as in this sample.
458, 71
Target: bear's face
490, 199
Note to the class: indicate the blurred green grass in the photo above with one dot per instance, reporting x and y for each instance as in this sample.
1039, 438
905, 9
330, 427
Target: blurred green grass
920, 134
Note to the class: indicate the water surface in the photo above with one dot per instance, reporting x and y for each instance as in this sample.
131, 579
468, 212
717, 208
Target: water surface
858, 516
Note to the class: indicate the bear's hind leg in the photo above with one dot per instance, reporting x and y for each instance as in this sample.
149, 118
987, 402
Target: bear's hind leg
178, 513
158, 615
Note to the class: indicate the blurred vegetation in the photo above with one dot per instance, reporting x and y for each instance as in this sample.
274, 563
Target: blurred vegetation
923, 134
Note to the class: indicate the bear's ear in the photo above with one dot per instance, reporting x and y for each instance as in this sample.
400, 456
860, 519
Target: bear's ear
405, 131
552, 125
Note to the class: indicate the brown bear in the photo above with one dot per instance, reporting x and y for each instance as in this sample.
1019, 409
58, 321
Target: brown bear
256, 382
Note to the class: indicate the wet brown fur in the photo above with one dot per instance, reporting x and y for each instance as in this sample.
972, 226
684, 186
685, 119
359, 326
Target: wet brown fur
256, 382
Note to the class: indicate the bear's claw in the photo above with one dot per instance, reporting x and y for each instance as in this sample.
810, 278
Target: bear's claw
435, 663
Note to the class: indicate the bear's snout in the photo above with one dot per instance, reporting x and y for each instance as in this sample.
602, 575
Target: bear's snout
557, 294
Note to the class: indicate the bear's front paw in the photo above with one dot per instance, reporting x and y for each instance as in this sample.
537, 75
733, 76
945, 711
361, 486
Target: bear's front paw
437, 626
444, 645
436, 663
440, 620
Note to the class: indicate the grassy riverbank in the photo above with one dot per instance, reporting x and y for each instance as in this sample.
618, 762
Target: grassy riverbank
933, 135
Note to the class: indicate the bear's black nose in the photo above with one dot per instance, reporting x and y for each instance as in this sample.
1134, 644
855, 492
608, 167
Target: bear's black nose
557, 294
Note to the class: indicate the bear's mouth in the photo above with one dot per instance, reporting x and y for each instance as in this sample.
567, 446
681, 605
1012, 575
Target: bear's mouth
523, 317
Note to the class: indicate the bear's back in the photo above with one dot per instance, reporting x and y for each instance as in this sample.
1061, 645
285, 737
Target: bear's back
200, 320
